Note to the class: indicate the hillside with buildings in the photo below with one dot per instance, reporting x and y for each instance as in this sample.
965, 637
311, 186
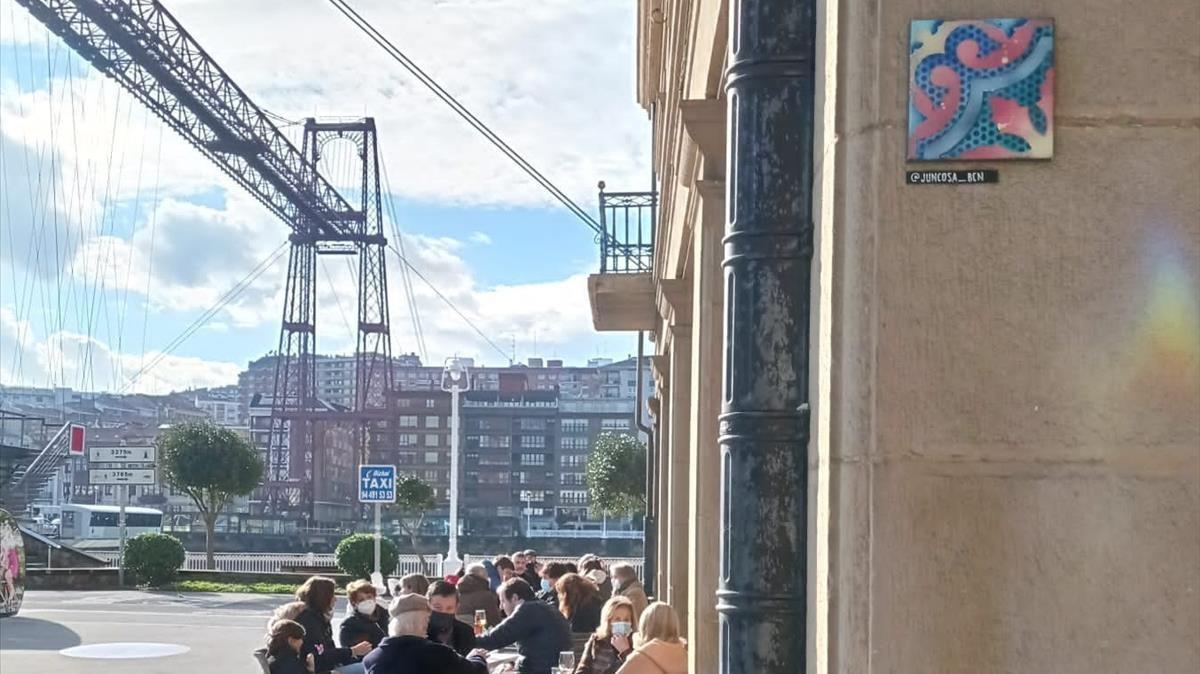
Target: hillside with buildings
527, 429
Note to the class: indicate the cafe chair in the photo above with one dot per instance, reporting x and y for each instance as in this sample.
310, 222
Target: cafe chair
260, 656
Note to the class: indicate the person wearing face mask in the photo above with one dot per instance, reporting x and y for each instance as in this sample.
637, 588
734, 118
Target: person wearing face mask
612, 642
284, 641
444, 627
658, 647
365, 619
593, 570
627, 585
317, 593
550, 575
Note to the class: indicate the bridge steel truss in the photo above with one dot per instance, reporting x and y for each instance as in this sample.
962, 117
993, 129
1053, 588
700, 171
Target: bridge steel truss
143, 47
292, 471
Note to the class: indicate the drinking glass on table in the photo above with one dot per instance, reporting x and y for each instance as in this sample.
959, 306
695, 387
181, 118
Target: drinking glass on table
566, 660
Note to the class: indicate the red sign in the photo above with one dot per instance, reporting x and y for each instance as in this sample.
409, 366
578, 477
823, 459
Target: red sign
77, 435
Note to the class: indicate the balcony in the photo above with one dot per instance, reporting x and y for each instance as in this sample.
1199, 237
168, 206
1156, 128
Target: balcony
622, 294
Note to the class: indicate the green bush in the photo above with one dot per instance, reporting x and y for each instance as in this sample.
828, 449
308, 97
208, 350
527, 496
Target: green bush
153, 559
355, 555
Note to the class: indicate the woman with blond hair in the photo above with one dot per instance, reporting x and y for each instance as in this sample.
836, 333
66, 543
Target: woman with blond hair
612, 642
660, 649
288, 611
579, 601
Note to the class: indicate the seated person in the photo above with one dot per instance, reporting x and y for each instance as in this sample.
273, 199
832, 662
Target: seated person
612, 642
444, 627
365, 619
474, 594
660, 648
505, 568
550, 575
407, 650
317, 593
284, 641
288, 611
580, 602
414, 583
538, 629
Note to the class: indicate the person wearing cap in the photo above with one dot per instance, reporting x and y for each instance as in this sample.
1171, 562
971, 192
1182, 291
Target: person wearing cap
406, 650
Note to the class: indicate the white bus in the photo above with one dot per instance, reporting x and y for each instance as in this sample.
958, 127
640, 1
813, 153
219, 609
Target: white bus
97, 523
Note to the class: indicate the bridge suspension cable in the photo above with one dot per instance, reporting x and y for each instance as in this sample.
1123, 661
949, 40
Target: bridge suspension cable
424, 78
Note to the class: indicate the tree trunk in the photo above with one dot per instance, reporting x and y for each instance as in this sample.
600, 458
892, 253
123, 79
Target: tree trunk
421, 558
210, 525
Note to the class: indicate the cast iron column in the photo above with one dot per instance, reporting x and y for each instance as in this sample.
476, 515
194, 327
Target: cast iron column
764, 420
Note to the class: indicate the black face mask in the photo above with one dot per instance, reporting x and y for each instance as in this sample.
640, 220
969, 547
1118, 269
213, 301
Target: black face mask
441, 623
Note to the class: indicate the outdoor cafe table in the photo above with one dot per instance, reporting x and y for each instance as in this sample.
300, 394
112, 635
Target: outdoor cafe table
499, 659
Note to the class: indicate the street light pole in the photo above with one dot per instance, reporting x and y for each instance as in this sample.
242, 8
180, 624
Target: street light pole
456, 381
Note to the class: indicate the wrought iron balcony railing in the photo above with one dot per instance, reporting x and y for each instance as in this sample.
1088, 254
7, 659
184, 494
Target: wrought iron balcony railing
628, 219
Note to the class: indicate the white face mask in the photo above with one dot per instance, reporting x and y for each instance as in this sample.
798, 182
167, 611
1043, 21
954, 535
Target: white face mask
366, 606
622, 629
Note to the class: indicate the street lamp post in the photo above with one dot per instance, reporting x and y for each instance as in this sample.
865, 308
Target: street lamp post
528, 512
456, 381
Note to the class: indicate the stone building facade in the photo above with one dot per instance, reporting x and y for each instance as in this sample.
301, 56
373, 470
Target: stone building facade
995, 446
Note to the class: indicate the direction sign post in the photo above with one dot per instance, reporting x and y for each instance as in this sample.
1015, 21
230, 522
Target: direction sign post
124, 490
377, 484
125, 476
121, 454
120, 466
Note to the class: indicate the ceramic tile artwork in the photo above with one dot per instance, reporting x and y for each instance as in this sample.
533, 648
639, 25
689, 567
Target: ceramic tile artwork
981, 89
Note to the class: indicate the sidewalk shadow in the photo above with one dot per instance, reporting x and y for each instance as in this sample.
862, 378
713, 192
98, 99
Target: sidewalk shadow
33, 634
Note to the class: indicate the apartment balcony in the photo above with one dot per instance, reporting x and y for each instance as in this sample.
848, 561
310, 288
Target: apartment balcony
622, 294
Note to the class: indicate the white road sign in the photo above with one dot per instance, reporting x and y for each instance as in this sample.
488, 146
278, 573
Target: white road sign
121, 454
122, 476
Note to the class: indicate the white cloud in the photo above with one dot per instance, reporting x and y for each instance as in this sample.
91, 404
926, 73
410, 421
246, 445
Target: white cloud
554, 78
555, 313
70, 359
186, 256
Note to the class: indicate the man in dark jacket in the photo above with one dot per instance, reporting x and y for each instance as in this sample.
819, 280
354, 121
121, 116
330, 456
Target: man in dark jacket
550, 575
408, 651
531, 574
538, 629
444, 626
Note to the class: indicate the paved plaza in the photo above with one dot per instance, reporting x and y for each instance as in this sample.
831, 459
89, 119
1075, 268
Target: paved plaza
219, 630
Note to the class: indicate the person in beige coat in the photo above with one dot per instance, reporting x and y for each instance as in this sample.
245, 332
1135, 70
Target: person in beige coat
660, 649
627, 585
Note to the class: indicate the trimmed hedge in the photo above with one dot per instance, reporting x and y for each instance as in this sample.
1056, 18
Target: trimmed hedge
154, 559
355, 555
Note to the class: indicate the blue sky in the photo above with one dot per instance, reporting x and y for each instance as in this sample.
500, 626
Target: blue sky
142, 235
